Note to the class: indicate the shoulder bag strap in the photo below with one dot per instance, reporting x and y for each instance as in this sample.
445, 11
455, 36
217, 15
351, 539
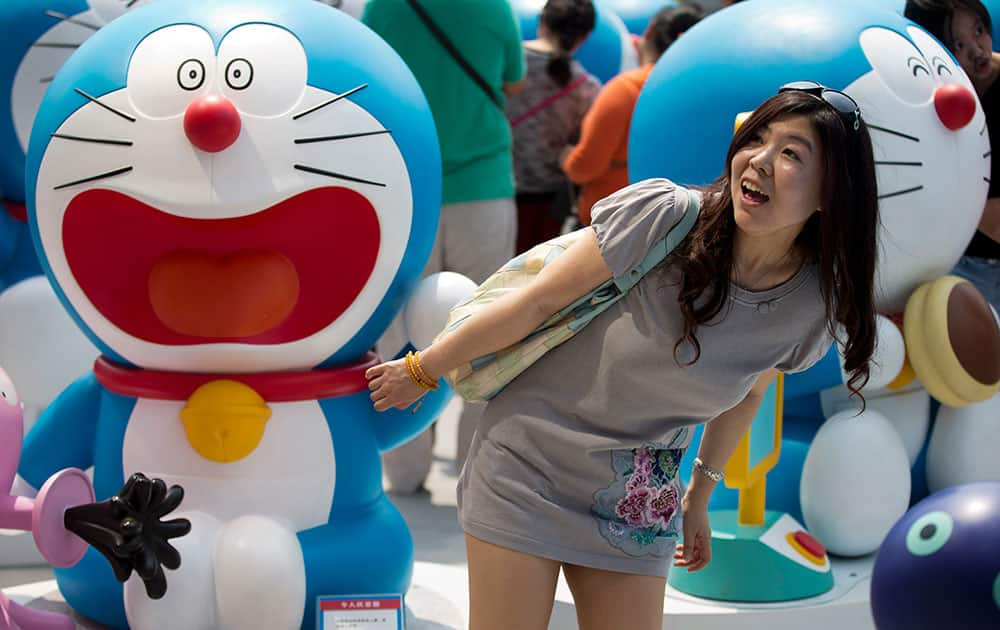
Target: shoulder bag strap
548, 101
450, 47
661, 248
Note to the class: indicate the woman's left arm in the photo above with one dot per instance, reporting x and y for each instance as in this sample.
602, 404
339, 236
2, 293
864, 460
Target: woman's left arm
721, 437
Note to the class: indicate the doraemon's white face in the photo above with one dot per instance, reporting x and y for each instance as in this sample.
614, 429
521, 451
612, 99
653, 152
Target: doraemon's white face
932, 154
49, 53
218, 214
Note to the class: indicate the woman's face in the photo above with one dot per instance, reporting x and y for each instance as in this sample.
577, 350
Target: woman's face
972, 45
776, 178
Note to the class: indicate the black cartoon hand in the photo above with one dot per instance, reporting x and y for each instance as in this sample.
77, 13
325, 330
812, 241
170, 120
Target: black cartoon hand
127, 530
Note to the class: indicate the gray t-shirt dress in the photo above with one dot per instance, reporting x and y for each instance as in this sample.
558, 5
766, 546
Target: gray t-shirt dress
576, 459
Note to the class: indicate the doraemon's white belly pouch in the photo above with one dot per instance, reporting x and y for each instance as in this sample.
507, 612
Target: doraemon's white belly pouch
289, 476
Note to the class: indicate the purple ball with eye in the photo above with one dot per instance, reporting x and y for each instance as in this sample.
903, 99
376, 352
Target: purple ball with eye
939, 567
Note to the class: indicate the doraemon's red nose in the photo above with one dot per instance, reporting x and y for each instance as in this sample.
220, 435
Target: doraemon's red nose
212, 123
955, 105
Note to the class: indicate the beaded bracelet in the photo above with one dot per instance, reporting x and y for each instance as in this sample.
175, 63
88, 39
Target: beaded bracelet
417, 373
421, 372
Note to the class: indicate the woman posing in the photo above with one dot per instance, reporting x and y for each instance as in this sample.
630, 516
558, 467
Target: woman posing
574, 463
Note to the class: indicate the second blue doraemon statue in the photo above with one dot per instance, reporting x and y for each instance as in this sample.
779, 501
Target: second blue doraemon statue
233, 199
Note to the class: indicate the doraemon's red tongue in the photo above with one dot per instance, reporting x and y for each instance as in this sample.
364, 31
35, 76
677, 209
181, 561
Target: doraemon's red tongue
275, 276
240, 295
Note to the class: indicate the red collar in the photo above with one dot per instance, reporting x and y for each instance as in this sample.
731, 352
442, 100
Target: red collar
16, 210
273, 387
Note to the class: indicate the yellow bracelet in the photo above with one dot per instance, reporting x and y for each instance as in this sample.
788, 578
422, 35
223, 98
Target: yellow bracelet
421, 372
425, 381
412, 372
415, 375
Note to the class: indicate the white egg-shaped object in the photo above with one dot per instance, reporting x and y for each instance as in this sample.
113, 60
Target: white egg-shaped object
855, 482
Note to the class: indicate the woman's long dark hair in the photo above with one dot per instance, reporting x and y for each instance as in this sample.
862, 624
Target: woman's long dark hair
569, 22
842, 239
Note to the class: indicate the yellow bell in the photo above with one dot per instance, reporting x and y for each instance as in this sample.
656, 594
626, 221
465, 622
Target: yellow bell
225, 420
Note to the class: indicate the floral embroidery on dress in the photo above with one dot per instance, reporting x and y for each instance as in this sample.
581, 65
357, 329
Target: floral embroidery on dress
638, 513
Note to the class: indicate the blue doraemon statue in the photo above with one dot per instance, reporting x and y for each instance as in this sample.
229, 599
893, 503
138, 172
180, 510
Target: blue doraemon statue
607, 51
933, 161
38, 37
233, 199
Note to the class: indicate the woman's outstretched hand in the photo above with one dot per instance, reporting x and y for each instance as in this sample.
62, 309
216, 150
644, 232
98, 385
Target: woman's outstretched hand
391, 385
696, 551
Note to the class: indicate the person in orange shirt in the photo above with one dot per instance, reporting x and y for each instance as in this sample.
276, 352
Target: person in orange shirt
599, 162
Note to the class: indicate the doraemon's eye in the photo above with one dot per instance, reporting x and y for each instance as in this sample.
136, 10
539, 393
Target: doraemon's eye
899, 65
265, 69
917, 65
941, 66
191, 74
929, 533
8, 395
945, 67
170, 68
239, 74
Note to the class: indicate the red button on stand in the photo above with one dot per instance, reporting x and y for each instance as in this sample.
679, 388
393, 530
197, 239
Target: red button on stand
810, 544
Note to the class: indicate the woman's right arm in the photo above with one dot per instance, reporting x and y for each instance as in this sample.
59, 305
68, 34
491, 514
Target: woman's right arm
578, 270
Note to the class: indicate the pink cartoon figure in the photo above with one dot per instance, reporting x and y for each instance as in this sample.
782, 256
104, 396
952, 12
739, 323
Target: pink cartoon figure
64, 519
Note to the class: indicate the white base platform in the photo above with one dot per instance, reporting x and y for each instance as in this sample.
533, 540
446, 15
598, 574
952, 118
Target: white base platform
438, 600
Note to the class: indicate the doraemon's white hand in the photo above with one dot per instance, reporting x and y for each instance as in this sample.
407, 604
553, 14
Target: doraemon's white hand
426, 312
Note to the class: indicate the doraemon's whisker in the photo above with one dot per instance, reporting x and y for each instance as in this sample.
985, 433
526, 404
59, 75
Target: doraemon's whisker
122, 143
129, 3
893, 132
877, 163
85, 180
46, 80
987, 154
329, 102
319, 171
987, 180
901, 192
111, 109
56, 45
340, 137
983, 130
71, 20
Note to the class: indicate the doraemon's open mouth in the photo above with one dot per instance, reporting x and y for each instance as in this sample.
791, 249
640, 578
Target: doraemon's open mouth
275, 276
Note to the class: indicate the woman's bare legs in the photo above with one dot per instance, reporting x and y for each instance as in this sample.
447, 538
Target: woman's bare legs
509, 589
607, 599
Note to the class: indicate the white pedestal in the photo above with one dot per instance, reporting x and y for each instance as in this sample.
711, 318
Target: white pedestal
438, 600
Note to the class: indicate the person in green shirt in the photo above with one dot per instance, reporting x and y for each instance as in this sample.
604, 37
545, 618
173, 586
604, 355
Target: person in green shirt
478, 225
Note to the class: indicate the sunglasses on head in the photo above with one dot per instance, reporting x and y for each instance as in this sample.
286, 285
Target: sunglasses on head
843, 104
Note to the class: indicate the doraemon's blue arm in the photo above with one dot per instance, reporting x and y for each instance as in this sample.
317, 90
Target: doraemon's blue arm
64, 434
395, 426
